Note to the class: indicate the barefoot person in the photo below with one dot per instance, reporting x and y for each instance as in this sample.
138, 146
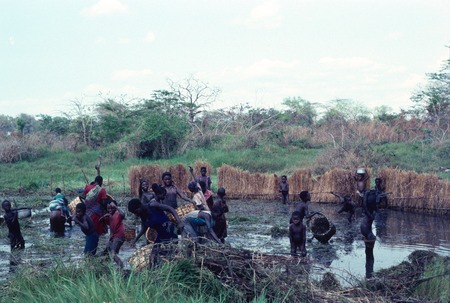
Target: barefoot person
218, 211
114, 218
12, 221
88, 228
284, 189
297, 235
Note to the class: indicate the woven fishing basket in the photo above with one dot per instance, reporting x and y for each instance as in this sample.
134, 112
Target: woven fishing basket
140, 259
322, 228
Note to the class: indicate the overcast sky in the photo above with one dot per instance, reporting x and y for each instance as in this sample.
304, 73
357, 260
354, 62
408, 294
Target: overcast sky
256, 52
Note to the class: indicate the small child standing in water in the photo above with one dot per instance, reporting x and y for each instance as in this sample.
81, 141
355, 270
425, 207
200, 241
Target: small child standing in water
284, 189
297, 235
12, 221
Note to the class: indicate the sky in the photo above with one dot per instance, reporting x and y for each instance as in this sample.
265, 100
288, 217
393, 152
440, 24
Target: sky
257, 52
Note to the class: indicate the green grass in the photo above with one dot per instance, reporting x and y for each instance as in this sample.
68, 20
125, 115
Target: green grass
65, 169
92, 281
436, 285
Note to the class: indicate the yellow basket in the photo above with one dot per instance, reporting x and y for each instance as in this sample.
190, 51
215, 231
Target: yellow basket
182, 210
73, 204
140, 259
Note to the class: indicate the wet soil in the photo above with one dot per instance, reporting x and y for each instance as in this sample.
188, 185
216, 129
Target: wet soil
260, 225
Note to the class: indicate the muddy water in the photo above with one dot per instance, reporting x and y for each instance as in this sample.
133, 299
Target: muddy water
398, 234
251, 223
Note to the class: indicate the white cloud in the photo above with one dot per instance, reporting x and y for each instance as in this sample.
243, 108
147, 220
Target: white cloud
352, 62
105, 7
265, 15
150, 37
264, 68
126, 74
12, 41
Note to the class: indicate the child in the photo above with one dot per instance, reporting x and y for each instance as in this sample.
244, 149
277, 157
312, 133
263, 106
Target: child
114, 218
218, 211
302, 206
207, 194
361, 177
195, 188
347, 206
297, 235
203, 177
284, 189
88, 228
12, 221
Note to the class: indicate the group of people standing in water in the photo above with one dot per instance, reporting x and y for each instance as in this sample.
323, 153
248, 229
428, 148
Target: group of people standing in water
207, 219
368, 199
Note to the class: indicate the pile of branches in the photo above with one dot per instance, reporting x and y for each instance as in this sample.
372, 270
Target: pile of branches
251, 274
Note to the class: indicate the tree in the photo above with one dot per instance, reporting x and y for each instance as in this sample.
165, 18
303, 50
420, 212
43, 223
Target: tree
161, 125
300, 111
114, 120
25, 124
82, 117
56, 125
195, 95
434, 100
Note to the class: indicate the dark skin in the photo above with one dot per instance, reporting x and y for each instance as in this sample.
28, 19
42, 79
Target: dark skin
80, 219
347, 207
167, 180
143, 211
297, 236
361, 182
302, 207
112, 208
12, 219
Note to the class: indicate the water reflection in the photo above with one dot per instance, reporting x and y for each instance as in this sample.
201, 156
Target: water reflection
397, 235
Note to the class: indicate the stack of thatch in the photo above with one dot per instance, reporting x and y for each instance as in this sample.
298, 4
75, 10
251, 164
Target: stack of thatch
153, 174
242, 184
336, 180
410, 190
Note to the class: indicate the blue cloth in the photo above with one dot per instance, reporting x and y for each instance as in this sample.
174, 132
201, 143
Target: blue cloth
158, 220
91, 244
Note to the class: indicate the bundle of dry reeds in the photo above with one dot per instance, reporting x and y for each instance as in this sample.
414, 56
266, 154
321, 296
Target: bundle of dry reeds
200, 164
153, 174
242, 184
410, 190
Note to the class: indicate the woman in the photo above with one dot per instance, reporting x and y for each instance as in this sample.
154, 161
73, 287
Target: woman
153, 216
172, 191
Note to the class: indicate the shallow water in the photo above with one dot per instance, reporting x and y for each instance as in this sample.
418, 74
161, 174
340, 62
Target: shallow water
398, 234
250, 223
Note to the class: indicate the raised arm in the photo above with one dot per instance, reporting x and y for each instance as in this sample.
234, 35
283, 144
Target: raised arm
341, 199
